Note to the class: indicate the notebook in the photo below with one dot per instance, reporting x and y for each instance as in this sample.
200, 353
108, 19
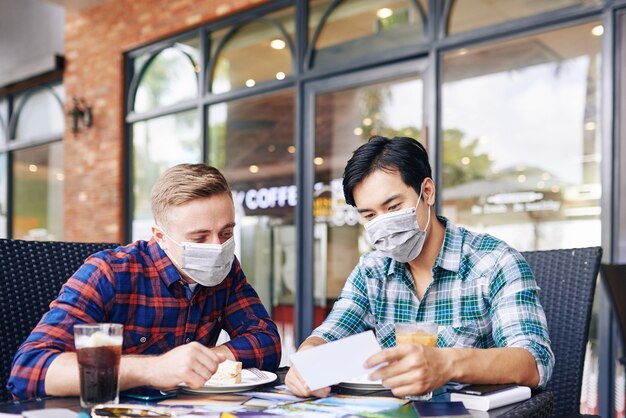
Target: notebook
441, 409
486, 397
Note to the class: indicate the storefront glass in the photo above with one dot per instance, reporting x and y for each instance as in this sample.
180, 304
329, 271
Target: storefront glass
3, 196
171, 77
346, 119
239, 64
40, 113
4, 118
159, 144
358, 28
252, 142
466, 15
521, 143
38, 193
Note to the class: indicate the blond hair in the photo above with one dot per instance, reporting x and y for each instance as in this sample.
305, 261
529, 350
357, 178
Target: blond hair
183, 183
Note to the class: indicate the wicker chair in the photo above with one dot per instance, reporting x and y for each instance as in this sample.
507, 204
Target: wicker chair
614, 277
568, 280
32, 274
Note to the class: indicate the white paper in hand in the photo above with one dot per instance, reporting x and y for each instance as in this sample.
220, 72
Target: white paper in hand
335, 362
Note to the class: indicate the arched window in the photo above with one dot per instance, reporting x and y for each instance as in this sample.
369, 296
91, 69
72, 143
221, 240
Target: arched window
167, 77
466, 15
38, 114
350, 29
256, 52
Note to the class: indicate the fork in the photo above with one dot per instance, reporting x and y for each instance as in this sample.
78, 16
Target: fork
258, 373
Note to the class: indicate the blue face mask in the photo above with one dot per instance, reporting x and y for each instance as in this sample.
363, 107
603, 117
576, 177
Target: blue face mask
397, 234
206, 264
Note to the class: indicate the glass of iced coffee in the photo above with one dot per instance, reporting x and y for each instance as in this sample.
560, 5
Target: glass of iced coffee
424, 333
99, 349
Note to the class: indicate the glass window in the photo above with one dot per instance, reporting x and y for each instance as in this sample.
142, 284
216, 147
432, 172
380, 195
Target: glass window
357, 28
38, 192
521, 142
345, 120
473, 14
259, 51
251, 142
158, 144
40, 113
3, 196
4, 118
171, 77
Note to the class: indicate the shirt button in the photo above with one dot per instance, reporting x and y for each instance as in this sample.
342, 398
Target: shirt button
142, 340
187, 340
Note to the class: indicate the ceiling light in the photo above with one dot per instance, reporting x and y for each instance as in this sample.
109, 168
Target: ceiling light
32, 168
291, 149
358, 131
384, 13
254, 169
250, 82
318, 161
280, 75
597, 30
278, 44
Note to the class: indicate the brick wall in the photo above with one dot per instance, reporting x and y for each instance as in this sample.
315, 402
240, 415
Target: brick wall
95, 41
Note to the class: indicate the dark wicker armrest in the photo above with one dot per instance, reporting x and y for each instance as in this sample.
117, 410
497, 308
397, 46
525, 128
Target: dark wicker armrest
540, 405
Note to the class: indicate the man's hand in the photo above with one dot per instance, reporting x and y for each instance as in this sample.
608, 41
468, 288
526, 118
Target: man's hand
411, 369
296, 384
192, 364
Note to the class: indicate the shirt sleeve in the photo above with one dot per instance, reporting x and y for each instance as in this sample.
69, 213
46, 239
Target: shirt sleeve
82, 299
517, 315
351, 312
254, 337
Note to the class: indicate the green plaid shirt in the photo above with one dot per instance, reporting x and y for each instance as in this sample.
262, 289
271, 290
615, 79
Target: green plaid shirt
483, 294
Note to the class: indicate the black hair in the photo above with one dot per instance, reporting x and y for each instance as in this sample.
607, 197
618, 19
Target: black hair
399, 154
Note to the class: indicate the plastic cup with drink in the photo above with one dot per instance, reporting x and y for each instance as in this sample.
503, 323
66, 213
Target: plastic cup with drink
424, 333
99, 349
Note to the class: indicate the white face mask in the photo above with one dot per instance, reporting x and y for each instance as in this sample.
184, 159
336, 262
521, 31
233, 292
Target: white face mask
397, 234
207, 264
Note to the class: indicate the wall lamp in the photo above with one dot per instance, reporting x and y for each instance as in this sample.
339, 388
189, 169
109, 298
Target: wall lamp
80, 113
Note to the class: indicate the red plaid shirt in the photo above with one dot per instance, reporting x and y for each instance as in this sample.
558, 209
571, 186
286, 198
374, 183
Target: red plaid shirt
138, 286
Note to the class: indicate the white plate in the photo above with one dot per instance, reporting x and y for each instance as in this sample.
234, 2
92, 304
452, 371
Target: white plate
248, 381
363, 383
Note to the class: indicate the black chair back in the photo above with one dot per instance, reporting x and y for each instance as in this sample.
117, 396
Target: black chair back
31, 275
568, 280
614, 276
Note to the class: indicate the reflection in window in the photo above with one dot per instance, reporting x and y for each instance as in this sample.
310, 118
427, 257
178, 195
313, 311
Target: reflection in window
472, 14
40, 113
158, 144
357, 28
259, 51
3, 196
521, 142
38, 192
251, 142
171, 77
345, 120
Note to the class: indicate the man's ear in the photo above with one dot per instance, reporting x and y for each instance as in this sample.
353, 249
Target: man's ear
429, 192
159, 236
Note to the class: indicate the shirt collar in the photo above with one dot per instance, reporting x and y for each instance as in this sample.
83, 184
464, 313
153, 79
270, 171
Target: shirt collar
164, 266
449, 257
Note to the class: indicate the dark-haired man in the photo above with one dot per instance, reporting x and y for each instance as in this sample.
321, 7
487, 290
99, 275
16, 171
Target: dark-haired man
480, 291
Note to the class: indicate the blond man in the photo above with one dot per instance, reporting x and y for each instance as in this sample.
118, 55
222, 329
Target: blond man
174, 294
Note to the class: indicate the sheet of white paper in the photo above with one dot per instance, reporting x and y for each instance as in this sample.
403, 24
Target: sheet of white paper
335, 362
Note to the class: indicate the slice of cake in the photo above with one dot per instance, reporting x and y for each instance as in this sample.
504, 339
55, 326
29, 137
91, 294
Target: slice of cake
228, 373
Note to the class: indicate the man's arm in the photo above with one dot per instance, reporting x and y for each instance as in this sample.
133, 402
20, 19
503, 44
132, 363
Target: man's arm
81, 300
191, 364
415, 369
